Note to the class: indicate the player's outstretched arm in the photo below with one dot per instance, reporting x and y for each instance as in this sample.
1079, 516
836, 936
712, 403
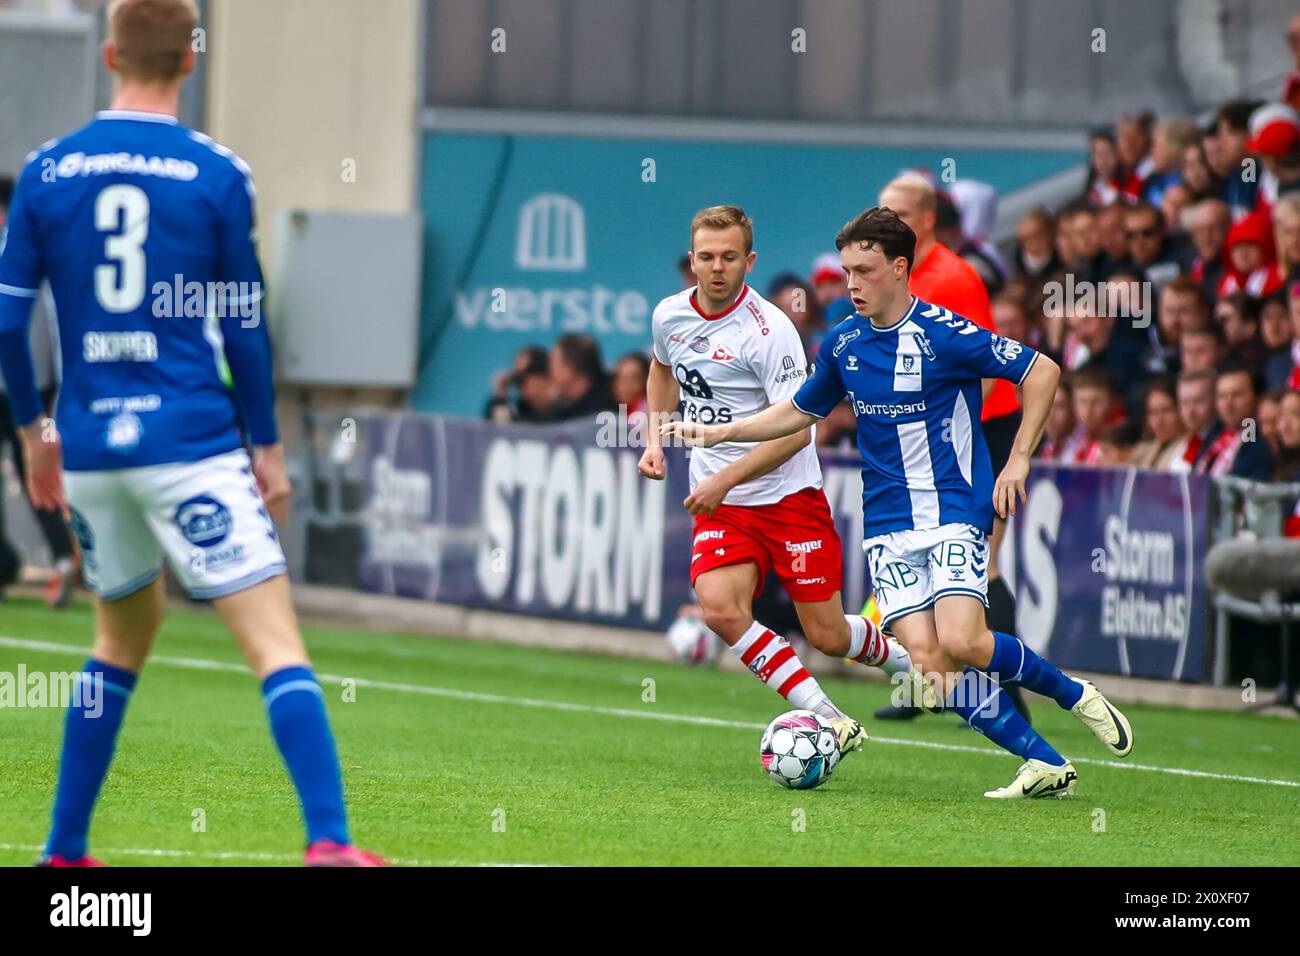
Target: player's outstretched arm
1036, 391
662, 397
774, 422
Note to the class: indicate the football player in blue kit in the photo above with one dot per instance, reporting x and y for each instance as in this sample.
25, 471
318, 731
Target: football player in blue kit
912, 373
163, 387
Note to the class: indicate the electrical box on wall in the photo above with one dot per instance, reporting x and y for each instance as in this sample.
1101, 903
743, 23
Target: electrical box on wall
345, 301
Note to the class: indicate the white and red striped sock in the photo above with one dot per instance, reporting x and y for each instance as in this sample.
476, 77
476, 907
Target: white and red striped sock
773, 661
867, 645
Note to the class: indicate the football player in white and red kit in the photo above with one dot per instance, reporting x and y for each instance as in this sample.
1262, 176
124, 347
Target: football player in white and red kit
725, 352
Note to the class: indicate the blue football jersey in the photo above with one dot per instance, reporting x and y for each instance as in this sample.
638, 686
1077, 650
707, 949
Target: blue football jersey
915, 390
144, 230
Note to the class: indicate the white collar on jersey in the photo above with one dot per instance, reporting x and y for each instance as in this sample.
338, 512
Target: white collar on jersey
906, 315
136, 115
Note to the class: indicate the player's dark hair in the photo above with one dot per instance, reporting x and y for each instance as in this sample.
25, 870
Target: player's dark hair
880, 226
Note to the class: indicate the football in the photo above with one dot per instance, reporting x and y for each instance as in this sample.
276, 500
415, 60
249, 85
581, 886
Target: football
690, 642
799, 750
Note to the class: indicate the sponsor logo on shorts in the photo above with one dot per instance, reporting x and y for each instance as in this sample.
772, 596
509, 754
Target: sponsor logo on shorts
204, 521
708, 536
803, 547
809, 580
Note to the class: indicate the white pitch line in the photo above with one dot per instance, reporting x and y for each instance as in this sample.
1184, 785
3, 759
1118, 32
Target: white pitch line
479, 697
232, 855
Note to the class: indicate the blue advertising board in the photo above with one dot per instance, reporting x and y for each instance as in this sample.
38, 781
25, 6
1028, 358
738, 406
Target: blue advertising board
529, 236
554, 521
1109, 570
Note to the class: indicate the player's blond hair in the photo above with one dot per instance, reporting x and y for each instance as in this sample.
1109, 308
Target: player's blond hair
919, 186
724, 217
151, 37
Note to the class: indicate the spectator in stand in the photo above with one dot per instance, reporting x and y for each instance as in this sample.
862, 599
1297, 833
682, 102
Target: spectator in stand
1288, 455
1174, 204
948, 231
581, 383
629, 381
1118, 443
1251, 264
1182, 306
689, 279
1092, 344
1275, 336
797, 299
1286, 235
1106, 178
1293, 304
1198, 175
1114, 240
1133, 143
1196, 409
1231, 133
1162, 428
1036, 256
522, 393
1096, 408
1238, 316
1060, 424
1202, 348
831, 288
1090, 264
1270, 405
1156, 256
1210, 221
1275, 139
1239, 450
1010, 320
1291, 85
1168, 145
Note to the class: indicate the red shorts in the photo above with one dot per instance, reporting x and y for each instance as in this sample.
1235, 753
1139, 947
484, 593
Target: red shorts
795, 537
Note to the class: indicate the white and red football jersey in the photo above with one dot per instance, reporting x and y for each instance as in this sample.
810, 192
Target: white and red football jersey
734, 365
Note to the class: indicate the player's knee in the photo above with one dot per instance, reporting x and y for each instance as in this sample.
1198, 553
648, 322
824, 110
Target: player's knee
960, 644
727, 621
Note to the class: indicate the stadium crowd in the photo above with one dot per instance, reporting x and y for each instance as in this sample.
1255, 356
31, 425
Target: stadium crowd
1168, 291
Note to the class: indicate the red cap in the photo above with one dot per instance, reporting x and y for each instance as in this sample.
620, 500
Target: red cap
1274, 130
827, 268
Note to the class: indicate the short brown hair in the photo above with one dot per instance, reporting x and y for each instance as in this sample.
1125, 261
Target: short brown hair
723, 217
881, 226
151, 37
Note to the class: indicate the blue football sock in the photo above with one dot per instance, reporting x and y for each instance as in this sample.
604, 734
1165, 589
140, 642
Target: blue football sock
89, 736
1014, 662
980, 701
296, 706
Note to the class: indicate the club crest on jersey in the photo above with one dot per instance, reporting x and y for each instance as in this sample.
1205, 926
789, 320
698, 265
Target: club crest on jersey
843, 341
908, 362
1005, 350
700, 344
720, 354
124, 431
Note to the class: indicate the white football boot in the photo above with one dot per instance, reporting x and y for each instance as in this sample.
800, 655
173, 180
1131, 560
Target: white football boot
848, 733
922, 691
1038, 779
1103, 719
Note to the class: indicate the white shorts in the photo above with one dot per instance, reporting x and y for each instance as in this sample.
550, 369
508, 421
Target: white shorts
910, 570
206, 517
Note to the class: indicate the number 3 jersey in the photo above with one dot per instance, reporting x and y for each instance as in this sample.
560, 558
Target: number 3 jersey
144, 230
915, 391
729, 366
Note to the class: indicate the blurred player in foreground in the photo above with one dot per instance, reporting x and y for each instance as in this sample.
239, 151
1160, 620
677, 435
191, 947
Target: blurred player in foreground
150, 412
912, 373
726, 352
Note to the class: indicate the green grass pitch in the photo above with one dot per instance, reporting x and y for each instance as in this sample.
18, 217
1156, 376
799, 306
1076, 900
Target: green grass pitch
461, 752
